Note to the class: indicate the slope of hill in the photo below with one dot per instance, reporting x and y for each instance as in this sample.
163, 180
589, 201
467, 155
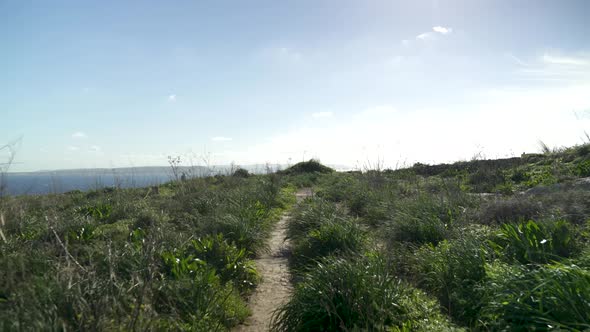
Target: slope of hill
479, 245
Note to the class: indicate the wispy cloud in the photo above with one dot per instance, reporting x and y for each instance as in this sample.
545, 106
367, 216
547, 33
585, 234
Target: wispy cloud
425, 35
325, 114
437, 30
79, 134
172, 98
565, 60
73, 148
517, 60
559, 67
95, 148
221, 139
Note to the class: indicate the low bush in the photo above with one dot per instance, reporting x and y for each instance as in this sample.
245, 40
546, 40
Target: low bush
553, 297
357, 293
536, 243
310, 215
451, 271
241, 173
231, 263
422, 220
331, 238
194, 298
571, 205
513, 209
486, 180
310, 166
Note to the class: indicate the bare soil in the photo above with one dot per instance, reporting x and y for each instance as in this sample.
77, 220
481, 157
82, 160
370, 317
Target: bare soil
275, 288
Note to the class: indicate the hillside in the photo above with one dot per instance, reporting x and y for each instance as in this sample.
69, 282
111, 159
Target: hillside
478, 245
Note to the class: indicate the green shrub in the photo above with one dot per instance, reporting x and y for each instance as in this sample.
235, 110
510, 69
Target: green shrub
193, 296
368, 206
537, 243
583, 168
520, 175
310, 215
422, 220
99, 212
413, 230
241, 173
486, 180
333, 237
231, 263
451, 271
356, 293
337, 187
553, 297
310, 166
245, 221
249, 234
541, 176
304, 180
117, 231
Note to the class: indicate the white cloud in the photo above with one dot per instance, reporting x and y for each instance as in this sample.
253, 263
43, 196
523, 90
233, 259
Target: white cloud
221, 139
322, 114
432, 34
172, 98
73, 148
442, 30
79, 134
95, 148
425, 36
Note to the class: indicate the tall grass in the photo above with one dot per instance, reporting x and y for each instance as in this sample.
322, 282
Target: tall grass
553, 297
536, 243
175, 258
357, 293
452, 271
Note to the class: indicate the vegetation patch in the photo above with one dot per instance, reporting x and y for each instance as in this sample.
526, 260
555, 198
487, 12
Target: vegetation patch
357, 293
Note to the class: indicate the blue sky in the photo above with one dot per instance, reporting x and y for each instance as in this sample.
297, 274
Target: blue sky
128, 83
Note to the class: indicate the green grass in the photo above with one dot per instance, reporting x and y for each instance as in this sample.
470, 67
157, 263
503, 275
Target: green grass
178, 258
415, 249
486, 261
553, 297
536, 243
357, 293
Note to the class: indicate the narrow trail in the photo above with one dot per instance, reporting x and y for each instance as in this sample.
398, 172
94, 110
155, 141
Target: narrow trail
275, 288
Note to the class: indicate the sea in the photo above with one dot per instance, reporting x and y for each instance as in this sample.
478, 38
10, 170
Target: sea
60, 181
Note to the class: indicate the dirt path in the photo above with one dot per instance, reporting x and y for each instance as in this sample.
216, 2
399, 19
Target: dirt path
275, 287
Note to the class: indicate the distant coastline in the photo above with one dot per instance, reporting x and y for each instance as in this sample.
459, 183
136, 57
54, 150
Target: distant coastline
60, 181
